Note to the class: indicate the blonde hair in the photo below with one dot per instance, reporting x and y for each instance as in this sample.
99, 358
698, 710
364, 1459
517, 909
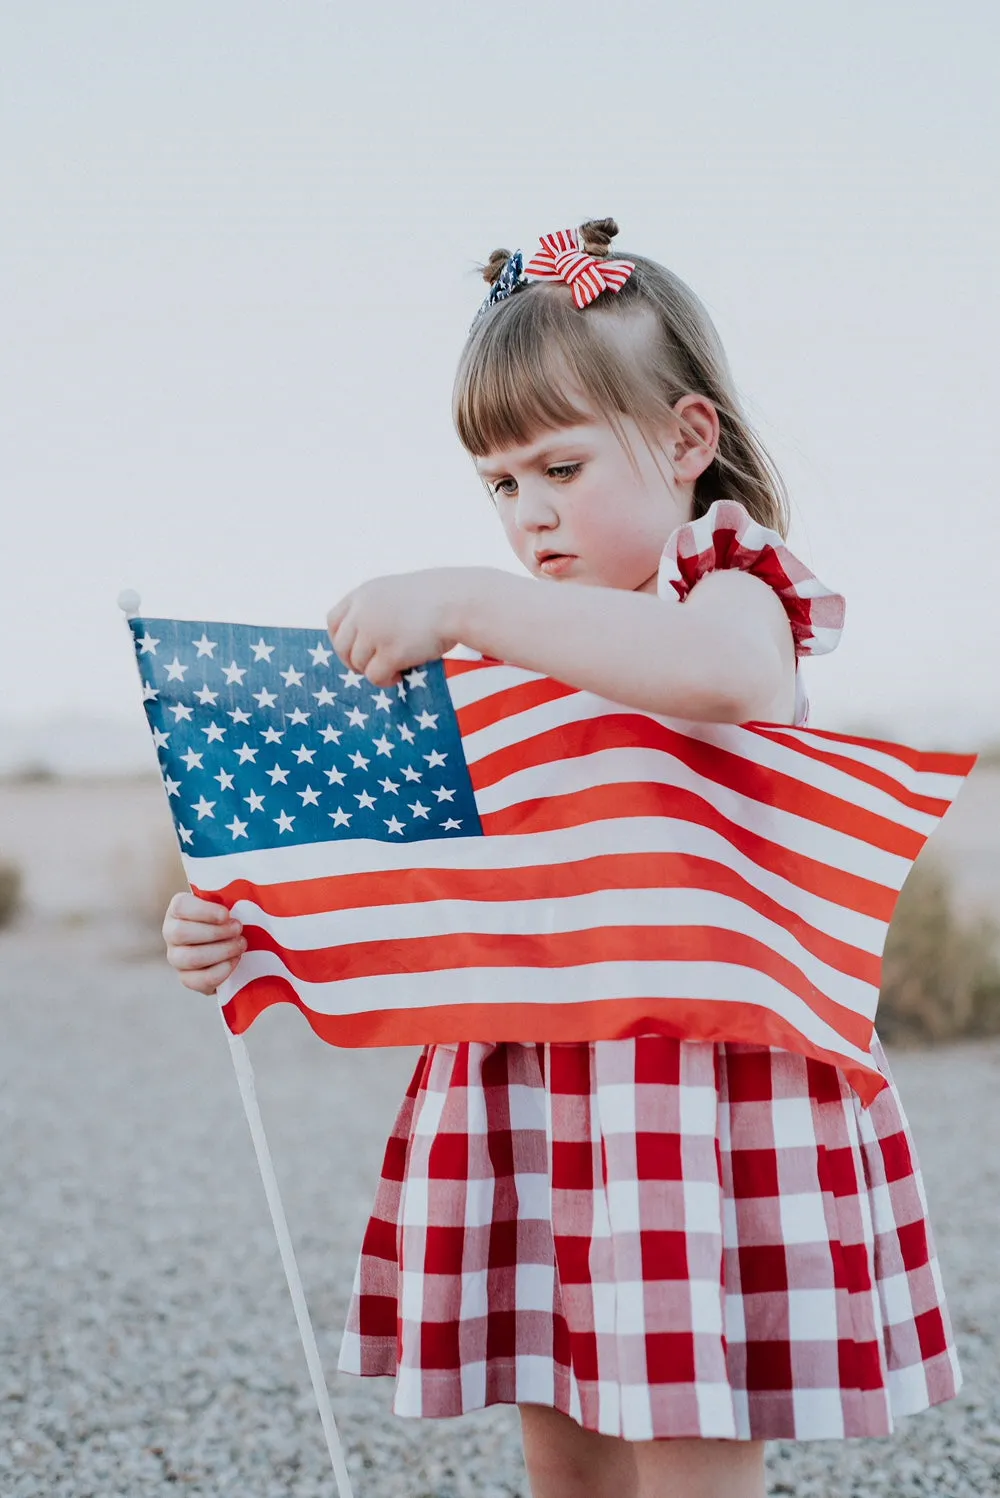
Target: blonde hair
524, 351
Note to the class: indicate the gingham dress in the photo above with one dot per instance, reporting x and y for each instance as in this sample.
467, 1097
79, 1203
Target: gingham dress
658, 1237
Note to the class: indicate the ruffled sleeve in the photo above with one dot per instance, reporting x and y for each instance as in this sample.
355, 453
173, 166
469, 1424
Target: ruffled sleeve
728, 536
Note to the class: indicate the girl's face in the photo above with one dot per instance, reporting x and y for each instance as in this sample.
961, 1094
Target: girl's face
575, 510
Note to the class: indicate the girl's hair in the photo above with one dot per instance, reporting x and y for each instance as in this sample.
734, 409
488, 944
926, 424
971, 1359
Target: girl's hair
525, 353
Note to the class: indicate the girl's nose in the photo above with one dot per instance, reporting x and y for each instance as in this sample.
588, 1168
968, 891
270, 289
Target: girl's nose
535, 510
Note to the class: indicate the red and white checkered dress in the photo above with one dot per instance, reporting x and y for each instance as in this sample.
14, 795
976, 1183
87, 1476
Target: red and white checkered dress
658, 1237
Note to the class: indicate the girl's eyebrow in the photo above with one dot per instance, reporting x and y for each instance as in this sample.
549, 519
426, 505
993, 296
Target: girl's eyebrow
538, 455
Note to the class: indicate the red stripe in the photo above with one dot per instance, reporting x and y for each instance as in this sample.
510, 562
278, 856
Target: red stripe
925, 761
560, 949
499, 705
552, 813
610, 871
934, 806
602, 1019
770, 787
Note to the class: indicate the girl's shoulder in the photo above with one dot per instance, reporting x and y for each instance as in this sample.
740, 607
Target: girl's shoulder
727, 536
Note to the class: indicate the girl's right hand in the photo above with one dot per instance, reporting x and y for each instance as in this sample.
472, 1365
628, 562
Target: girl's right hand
204, 943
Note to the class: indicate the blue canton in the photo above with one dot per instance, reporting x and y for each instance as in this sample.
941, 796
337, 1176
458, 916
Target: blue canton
266, 738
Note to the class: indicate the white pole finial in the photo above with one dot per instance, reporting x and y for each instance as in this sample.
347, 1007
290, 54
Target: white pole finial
129, 603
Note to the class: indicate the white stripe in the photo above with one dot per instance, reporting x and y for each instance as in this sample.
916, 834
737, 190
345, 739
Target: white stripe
723, 981
475, 686
799, 834
631, 835
752, 748
931, 783
655, 908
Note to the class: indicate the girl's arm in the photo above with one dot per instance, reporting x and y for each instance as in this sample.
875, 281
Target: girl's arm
720, 656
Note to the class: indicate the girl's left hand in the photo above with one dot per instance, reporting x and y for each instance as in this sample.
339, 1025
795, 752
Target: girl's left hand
392, 623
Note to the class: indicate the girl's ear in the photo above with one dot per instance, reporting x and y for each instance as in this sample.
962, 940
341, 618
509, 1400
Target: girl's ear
696, 442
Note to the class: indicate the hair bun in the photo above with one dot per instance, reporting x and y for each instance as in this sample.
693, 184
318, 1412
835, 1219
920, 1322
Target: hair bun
596, 235
495, 265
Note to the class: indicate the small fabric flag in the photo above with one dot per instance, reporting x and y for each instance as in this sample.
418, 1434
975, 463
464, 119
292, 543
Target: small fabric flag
483, 853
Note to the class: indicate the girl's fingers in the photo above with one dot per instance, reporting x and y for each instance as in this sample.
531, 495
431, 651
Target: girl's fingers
209, 979
180, 933
199, 958
188, 907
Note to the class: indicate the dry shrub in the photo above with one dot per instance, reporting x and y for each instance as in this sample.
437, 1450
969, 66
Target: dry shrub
11, 885
940, 972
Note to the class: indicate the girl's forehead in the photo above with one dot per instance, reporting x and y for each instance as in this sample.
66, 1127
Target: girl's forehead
544, 443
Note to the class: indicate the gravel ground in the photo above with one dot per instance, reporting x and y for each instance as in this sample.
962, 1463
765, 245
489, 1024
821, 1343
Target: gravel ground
147, 1343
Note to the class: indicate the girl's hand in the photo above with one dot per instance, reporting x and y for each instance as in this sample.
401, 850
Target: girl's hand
391, 623
203, 942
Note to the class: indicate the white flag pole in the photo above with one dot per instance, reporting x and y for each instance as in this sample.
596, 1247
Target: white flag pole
128, 602
248, 1092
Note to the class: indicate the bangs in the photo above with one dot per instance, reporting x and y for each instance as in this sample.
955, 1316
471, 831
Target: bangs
538, 362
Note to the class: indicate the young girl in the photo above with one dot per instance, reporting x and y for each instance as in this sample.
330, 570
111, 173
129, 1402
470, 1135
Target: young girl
665, 1251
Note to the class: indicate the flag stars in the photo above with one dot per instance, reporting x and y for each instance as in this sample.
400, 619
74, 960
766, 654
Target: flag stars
172, 787
239, 715
411, 774
234, 674
394, 825
364, 799
452, 824
331, 735
262, 652
175, 671
264, 698
192, 760
324, 697
303, 755
205, 646
277, 775
416, 679
443, 793
206, 696
283, 821
236, 827
225, 780
406, 732
309, 796
428, 720
181, 711
357, 718
335, 776
291, 677
244, 753
297, 717
255, 801
383, 746
382, 700
341, 818
160, 739
214, 733
203, 808
273, 735
149, 693
419, 809
321, 656
185, 834
389, 786
358, 760
435, 758
351, 678
147, 645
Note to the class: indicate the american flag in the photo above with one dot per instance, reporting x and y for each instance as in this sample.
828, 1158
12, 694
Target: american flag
483, 853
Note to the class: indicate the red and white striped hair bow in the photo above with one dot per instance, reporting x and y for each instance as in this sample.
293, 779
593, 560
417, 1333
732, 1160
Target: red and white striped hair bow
561, 258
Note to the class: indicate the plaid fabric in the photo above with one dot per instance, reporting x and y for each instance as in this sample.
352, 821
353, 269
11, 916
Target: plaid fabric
658, 1237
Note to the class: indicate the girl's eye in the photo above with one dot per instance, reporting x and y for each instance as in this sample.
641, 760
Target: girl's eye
566, 469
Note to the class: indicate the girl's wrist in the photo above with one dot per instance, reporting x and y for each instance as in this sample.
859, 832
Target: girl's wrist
470, 599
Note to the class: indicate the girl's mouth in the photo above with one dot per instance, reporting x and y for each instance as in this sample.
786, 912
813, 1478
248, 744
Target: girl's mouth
554, 566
